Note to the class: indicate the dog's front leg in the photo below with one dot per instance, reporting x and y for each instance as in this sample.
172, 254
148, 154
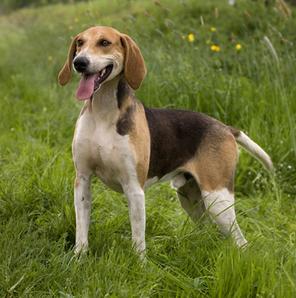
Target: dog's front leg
136, 205
82, 201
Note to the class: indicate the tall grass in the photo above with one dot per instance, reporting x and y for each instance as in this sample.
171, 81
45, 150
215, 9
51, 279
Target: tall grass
247, 89
7, 6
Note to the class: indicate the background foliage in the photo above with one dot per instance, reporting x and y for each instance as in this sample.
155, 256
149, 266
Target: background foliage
10, 5
253, 88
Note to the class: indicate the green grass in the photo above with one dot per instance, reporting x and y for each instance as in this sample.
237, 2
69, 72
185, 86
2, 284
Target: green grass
246, 89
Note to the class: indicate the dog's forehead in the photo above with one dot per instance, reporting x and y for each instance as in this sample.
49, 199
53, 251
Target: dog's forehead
100, 32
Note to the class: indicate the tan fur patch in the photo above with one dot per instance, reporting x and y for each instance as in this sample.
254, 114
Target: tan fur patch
140, 140
214, 163
90, 38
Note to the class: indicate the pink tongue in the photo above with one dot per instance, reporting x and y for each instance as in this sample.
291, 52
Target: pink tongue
86, 87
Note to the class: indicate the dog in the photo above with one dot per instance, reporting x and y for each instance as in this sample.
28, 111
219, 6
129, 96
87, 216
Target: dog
130, 147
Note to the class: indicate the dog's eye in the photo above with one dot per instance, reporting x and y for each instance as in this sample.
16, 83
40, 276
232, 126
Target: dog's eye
79, 42
104, 43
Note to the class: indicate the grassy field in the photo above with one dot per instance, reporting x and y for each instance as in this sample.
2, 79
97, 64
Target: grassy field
252, 88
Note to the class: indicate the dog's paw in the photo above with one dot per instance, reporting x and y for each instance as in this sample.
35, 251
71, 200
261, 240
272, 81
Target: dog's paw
80, 249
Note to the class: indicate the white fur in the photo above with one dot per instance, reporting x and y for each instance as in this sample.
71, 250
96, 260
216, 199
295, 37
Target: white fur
220, 205
174, 175
82, 202
255, 150
149, 182
178, 181
136, 205
98, 149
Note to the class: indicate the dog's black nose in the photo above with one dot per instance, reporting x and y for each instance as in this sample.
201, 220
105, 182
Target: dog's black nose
81, 64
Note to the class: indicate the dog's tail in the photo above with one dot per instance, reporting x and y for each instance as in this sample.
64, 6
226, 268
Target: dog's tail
253, 148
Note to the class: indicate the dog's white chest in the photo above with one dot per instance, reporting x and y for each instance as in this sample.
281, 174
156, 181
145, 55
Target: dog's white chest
99, 148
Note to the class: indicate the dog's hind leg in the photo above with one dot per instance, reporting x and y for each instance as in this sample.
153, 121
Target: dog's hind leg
214, 169
190, 196
220, 205
82, 202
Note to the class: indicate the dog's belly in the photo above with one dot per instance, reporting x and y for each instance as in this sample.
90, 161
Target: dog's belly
99, 149
176, 177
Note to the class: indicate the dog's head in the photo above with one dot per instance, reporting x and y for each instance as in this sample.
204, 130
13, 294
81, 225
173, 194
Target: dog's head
100, 54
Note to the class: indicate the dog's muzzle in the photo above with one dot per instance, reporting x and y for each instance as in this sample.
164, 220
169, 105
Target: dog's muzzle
81, 64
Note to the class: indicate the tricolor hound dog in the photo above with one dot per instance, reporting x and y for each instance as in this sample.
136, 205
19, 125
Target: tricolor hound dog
129, 147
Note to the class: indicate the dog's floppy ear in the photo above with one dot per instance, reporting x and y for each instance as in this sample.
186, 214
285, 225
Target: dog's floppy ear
134, 65
66, 71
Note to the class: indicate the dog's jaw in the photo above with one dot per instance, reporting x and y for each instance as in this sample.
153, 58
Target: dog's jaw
89, 83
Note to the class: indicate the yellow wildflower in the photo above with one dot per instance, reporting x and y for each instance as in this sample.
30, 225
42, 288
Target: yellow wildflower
215, 48
49, 58
213, 29
191, 37
238, 46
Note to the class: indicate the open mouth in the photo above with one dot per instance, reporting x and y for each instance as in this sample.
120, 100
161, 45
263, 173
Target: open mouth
102, 76
89, 83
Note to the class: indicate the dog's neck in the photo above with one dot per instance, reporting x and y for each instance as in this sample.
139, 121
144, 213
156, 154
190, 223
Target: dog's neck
104, 102
112, 97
